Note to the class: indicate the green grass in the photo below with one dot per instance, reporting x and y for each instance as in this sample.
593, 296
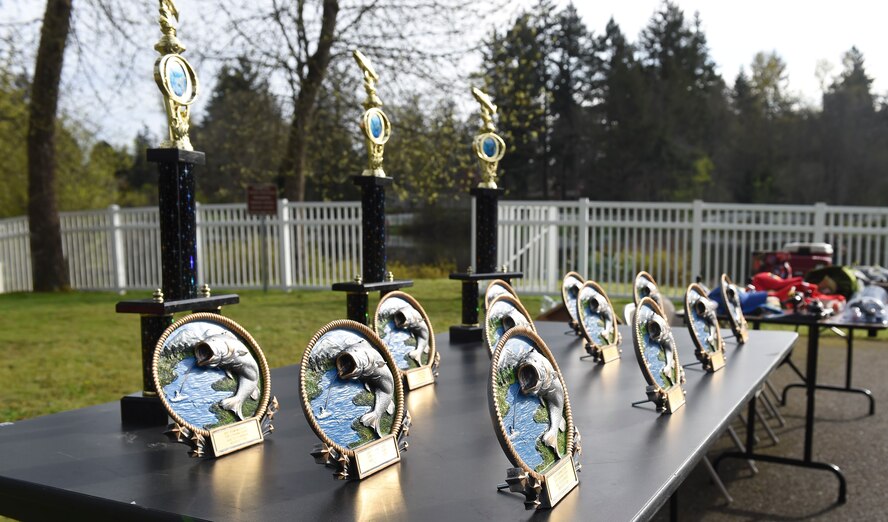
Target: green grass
69, 350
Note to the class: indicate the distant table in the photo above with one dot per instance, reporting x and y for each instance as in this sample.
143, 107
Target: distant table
809, 381
81, 462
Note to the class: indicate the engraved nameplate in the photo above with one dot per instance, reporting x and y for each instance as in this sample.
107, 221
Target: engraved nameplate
233, 437
560, 480
675, 398
376, 455
717, 360
609, 353
419, 377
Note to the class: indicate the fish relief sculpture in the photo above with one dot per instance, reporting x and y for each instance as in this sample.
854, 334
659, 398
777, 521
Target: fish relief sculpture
353, 398
406, 331
731, 298
505, 312
532, 418
703, 326
211, 374
657, 356
598, 323
646, 286
496, 288
570, 291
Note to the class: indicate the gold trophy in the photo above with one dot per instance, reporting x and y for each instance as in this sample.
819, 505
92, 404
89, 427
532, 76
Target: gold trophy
375, 124
175, 77
488, 146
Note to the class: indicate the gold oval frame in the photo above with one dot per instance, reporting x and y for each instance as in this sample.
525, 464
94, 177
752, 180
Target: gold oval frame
595, 286
478, 145
376, 342
639, 352
515, 302
251, 344
161, 76
496, 415
582, 281
739, 328
418, 307
498, 282
386, 126
700, 350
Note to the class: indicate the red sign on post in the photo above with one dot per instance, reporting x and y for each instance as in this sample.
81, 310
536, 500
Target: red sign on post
262, 200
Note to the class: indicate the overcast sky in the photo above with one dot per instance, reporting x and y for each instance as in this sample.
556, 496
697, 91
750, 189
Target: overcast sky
803, 33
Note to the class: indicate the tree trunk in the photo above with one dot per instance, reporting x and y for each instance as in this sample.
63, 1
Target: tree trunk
48, 267
292, 170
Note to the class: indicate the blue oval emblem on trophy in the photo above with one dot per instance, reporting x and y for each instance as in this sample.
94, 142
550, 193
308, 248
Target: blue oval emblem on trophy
376, 125
489, 147
178, 79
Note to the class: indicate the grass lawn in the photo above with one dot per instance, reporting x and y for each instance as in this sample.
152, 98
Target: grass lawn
69, 350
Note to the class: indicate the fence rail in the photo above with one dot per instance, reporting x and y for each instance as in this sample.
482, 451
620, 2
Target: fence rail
676, 242
313, 245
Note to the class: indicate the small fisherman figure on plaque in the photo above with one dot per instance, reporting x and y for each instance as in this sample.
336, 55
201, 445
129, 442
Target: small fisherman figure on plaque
406, 331
353, 398
657, 357
505, 312
598, 323
731, 298
703, 325
570, 289
532, 419
215, 384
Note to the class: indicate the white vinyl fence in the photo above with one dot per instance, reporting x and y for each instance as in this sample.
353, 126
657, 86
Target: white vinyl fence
307, 245
676, 242
313, 245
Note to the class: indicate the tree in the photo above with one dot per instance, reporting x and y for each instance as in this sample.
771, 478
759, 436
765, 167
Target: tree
243, 134
14, 167
49, 269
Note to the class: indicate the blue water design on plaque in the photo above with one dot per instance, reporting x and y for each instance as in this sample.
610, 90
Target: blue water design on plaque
178, 79
521, 428
191, 393
489, 147
397, 342
337, 421
375, 125
654, 354
595, 325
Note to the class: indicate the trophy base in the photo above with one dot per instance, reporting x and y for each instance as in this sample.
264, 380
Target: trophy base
465, 333
136, 410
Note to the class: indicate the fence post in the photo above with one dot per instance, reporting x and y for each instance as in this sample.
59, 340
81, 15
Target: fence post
819, 222
118, 261
552, 270
697, 239
285, 244
583, 232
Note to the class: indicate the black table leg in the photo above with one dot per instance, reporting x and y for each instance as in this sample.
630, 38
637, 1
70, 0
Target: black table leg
806, 462
848, 388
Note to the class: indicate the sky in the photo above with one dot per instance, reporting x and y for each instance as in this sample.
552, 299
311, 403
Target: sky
802, 32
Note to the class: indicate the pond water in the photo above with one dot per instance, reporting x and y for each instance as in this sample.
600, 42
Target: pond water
396, 341
335, 410
191, 393
522, 430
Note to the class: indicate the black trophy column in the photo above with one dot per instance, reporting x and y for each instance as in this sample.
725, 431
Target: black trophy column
486, 203
373, 255
178, 225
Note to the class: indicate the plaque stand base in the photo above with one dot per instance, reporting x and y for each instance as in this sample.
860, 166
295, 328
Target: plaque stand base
603, 354
138, 410
668, 401
560, 480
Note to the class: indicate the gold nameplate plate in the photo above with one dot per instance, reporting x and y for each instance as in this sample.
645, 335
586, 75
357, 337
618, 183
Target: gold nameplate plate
559, 481
232, 437
675, 398
717, 361
376, 455
609, 353
419, 377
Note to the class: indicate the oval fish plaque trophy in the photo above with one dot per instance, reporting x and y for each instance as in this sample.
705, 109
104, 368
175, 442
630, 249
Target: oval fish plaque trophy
496, 288
353, 399
406, 331
570, 289
214, 382
657, 357
731, 298
598, 323
703, 326
532, 419
646, 286
505, 312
